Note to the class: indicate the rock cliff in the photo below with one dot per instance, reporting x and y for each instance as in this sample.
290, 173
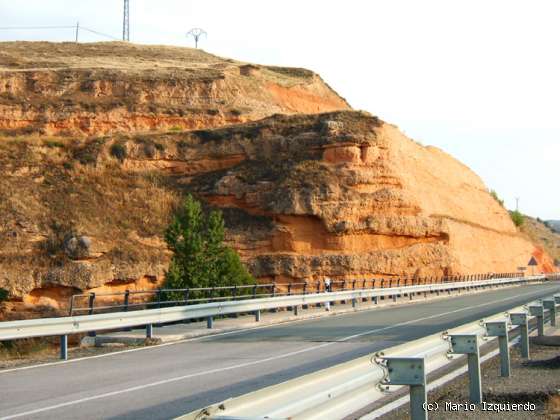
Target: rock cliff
101, 88
339, 193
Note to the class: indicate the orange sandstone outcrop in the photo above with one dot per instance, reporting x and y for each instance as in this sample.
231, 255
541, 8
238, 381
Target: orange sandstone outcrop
69, 88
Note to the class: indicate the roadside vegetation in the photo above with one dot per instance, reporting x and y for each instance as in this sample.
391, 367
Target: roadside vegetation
517, 218
200, 257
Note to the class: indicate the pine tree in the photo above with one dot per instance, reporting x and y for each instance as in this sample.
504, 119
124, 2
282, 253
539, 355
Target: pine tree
200, 257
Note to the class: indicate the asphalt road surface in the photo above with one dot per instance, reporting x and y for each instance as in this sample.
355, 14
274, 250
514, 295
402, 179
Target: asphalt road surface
162, 382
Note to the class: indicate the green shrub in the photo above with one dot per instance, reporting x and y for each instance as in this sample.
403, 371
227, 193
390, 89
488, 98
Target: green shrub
200, 258
494, 194
4, 294
88, 153
118, 151
517, 218
53, 143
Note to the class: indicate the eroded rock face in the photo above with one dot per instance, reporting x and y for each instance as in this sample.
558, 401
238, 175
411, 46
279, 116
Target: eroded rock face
346, 195
342, 194
100, 88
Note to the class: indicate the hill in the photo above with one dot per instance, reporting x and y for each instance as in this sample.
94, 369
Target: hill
91, 89
540, 233
554, 225
308, 188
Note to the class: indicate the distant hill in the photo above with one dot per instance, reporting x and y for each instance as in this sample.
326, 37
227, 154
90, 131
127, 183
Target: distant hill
554, 225
543, 234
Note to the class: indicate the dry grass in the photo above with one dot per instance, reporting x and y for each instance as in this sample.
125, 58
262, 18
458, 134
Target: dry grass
31, 55
50, 187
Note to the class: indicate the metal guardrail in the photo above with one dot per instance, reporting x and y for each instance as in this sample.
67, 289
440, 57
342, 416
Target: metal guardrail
88, 303
63, 326
345, 389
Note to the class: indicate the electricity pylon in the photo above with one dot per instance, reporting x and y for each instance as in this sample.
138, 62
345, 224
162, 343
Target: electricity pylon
196, 33
126, 21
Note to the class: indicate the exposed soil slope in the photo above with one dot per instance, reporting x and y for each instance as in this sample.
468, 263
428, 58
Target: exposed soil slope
69, 89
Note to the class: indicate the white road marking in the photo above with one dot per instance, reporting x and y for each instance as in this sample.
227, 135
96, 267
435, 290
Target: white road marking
243, 365
203, 337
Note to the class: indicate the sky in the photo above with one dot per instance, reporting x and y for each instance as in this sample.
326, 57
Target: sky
479, 79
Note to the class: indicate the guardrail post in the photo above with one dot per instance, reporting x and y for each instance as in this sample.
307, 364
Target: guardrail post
550, 304
296, 310
374, 299
64, 347
318, 305
468, 344
499, 329
523, 322
210, 322
149, 330
354, 302
290, 294
304, 293
91, 302
234, 297
363, 287
274, 295
409, 371
257, 316
126, 299
538, 311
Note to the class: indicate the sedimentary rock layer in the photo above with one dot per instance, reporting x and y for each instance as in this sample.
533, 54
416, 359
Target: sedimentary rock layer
70, 89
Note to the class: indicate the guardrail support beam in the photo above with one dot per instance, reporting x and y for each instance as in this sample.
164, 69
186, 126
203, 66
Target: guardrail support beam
523, 322
410, 371
149, 330
499, 329
257, 316
468, 344
538, 311
550, 304
296, 310
210, 322
64, 347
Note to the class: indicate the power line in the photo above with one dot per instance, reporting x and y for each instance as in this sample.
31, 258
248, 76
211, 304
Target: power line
34, 27
99, 33
76, 27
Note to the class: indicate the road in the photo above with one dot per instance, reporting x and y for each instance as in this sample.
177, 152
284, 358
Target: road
165, 381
